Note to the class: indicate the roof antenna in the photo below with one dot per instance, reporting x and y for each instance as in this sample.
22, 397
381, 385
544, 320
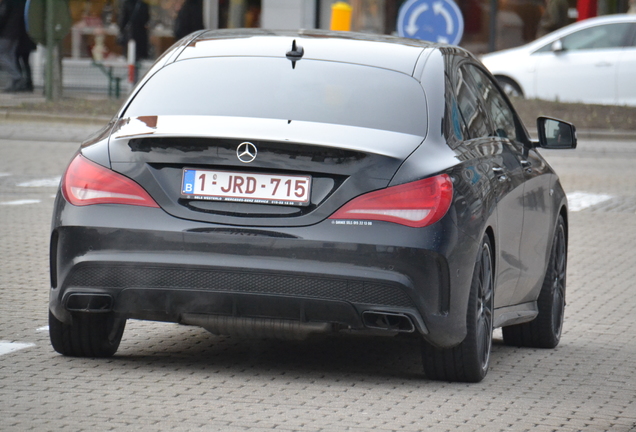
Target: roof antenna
295, 54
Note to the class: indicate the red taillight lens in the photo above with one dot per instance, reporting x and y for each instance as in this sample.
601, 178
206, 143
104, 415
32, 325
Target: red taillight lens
415, 204
87, 183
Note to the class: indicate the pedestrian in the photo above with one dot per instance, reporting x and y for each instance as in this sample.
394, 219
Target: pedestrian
189, 18
23, 52
554, 17
133, 21
11, 28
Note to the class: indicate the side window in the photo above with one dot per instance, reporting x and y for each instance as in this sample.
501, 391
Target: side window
496, 106
599, 37
454, 126
470, 106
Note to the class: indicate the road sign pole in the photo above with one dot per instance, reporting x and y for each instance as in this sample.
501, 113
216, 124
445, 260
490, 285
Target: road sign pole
50, 46
492, 40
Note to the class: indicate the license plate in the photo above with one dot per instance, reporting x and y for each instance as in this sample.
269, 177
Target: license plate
246, 187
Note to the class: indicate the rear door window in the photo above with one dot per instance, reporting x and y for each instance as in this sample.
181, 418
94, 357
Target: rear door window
499, 110
470, 106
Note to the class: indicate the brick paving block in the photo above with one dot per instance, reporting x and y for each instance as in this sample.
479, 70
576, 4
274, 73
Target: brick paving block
183, 378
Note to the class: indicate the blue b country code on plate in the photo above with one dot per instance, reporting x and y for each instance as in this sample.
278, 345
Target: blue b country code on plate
188, 181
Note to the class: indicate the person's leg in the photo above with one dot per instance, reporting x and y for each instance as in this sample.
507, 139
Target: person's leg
8, 62
25, 69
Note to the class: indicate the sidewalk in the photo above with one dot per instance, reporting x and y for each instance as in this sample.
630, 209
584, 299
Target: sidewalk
12, 107
97, 109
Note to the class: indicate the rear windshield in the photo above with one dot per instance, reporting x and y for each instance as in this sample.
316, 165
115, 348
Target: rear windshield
316, 91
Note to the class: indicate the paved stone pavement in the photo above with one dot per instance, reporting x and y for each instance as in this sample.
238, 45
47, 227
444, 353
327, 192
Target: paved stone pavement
172, 377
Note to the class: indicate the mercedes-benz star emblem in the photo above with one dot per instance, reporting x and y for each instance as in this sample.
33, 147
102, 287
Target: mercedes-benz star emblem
246, 152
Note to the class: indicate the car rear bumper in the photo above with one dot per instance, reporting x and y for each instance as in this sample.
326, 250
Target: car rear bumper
168, 269
155, 290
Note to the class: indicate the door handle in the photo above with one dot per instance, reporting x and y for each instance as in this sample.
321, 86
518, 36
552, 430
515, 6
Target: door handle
499, 172
527, 165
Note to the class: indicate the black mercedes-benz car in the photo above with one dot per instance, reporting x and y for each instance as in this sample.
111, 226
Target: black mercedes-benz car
279, 184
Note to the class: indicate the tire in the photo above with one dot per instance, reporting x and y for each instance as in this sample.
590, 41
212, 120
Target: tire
545, 330
88, 335
510, 87
469, 361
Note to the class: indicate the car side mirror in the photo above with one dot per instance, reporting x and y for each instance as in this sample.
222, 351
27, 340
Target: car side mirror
556, 134
557, 46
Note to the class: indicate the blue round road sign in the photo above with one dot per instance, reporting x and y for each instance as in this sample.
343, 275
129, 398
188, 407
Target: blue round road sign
432, 20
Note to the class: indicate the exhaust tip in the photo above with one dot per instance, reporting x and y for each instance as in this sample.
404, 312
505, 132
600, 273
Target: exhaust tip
79, 302
388, 321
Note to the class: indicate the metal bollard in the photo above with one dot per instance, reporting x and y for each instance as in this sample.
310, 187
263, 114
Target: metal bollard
341, 16
132, 49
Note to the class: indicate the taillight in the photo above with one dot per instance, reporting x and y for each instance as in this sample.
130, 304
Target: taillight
87, 183
415, 204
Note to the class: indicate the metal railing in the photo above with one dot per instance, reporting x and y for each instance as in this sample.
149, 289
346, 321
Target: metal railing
86, 75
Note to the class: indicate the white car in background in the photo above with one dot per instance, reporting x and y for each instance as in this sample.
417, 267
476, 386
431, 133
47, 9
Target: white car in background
591, 61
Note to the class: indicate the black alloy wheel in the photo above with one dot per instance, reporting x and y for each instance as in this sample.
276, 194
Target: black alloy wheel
88, 335
469, 361
545, 330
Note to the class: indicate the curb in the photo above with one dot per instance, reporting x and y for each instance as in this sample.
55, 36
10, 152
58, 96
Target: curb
606, 134
102, 120
53, 118
597, 134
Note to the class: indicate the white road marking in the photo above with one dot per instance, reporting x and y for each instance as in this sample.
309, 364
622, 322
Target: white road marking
41, 329
4, 174
49, 182
20, 202
578, 201
9, 347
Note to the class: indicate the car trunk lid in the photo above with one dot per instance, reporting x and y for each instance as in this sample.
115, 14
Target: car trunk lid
343, 162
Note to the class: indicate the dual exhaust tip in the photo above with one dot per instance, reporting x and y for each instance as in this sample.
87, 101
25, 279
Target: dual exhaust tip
81, 302
389, 321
